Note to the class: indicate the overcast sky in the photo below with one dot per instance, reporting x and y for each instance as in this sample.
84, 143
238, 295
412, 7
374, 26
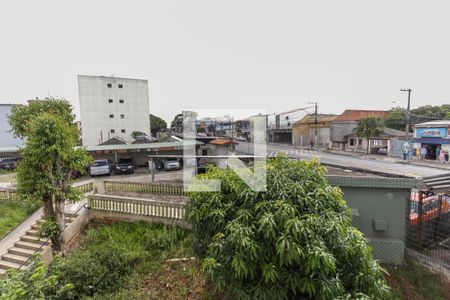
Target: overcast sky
274, 55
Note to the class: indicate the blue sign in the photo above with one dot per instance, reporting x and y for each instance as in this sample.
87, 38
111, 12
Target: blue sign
431, 132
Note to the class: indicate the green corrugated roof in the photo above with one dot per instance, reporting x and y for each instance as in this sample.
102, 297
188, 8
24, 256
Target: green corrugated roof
142, 146
122, 147
9, 149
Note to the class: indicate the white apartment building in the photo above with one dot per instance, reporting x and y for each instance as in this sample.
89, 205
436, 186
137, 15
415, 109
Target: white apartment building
112, 107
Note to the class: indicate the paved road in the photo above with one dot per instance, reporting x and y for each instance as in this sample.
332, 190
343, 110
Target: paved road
379, 166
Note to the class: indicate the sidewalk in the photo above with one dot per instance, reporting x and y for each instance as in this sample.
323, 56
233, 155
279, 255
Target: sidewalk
424, 163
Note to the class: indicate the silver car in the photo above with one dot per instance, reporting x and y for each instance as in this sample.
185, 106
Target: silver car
101, 167
171, 164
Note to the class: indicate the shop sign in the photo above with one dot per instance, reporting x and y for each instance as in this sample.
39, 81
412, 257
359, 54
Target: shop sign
431, 132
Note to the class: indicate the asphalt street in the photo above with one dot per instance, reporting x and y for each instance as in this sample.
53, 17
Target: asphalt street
345, 161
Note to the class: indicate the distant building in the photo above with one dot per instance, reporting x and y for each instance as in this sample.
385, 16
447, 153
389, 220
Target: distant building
432, 135
280, 125
112, 107
242, 129
304, 131
346, 123
380, 144
7, 138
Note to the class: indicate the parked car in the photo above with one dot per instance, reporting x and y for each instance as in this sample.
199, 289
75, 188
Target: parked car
382, 150
171, 164
126, 165
101, 167
9, 163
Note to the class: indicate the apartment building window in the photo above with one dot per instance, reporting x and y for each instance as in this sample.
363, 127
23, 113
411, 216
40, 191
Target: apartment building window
352, 142
123, 130
110, 100
111, 116
121, 101
122, 116
120, 86
113, 131
109, 85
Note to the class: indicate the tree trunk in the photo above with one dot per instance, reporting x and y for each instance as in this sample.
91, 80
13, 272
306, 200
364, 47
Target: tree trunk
58, 239
49, 211
368, 145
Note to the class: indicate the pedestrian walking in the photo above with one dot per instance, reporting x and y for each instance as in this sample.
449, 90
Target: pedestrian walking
442, 156
423, 153
438, 153
446, 157
311, 143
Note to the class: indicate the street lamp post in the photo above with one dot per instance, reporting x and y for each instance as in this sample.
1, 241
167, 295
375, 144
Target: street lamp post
408, 114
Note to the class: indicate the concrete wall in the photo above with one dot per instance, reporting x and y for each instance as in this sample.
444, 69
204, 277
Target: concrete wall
379, 208
7, 138
95, 108
338, 130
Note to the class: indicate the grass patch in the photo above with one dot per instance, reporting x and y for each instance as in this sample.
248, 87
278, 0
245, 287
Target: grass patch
127, 261
12, 213
413, 281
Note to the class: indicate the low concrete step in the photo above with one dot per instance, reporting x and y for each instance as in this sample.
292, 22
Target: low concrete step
33, 239
15, 259
33, 232
8, 265
36, 226
22, 251
27, 245
66, 220
2, 271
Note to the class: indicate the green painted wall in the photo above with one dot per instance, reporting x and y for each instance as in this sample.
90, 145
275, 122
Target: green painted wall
379, 208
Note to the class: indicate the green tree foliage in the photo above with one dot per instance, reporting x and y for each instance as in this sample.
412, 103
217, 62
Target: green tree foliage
369, 128
157, 124
136, 134
49, 158
396, 118
294, 241
177, 123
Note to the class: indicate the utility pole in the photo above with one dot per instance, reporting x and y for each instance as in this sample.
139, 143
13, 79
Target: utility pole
408, 114
315, 126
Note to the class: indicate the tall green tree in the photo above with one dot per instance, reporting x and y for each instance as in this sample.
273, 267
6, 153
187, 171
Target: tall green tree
369, 128
177, 123
294, 241
396, 118
136, 134
48, 160
157, 124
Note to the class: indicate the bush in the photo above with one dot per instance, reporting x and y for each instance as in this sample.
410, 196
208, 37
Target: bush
39, 282
97, 272
293, 241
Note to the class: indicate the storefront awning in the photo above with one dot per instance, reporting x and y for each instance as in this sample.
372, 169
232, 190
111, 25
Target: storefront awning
435, 141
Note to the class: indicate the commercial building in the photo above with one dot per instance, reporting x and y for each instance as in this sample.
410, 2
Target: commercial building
7, 138
346, 123
112, 107
432, 135
304, 131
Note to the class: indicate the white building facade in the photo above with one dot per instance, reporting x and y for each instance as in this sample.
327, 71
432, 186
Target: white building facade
112, 107
7, 138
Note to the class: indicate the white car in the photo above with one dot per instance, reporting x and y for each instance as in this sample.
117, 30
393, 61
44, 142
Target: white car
171, 164
101, 167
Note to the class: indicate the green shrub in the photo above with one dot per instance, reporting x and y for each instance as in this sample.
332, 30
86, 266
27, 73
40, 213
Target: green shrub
293, 241
40, 282
97, 272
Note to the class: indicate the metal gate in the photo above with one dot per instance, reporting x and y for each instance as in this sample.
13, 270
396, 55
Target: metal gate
428, 224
